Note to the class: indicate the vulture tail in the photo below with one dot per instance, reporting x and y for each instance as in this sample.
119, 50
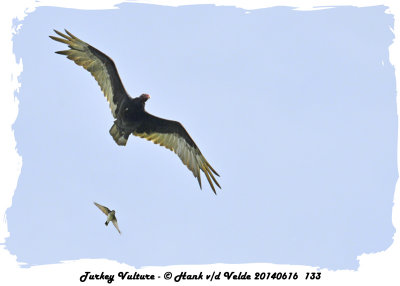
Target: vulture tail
118, 136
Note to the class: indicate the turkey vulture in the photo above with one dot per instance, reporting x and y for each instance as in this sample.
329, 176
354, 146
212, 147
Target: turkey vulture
129, 113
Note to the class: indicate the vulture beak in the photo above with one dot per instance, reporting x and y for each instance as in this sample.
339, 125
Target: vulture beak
145, 96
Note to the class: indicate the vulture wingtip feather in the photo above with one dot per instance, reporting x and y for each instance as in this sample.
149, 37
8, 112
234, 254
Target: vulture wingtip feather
215, 180
199, 180
61, 34
211, 168
209, 179
69, 34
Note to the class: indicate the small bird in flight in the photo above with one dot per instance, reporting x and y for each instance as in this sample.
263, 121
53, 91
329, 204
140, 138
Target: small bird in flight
110, 215
129, 113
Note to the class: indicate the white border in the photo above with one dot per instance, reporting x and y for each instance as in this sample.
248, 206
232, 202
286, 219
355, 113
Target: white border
378, 268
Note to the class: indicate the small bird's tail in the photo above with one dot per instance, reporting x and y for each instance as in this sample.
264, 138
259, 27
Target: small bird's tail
117, 135
106, 223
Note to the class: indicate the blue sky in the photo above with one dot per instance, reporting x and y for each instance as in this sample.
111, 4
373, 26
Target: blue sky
296, 111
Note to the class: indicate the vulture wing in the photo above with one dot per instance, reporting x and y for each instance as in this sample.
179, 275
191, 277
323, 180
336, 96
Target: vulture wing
173, 136
104, 209
98, 64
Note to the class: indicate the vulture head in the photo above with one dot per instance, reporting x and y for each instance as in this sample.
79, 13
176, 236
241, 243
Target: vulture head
144, 97
140, 101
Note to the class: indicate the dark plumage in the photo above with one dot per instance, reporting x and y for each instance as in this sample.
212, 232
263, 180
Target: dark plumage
130, 114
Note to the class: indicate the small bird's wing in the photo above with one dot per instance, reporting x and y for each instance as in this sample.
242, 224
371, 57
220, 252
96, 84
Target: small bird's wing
98, 64
173, 136
104, 209
114, 221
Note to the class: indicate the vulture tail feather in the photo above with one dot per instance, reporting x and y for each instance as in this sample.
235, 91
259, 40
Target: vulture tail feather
117, 135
